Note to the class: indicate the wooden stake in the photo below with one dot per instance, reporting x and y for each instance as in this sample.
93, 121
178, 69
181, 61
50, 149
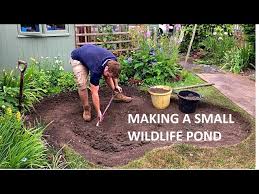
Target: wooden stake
194, 86
190, 45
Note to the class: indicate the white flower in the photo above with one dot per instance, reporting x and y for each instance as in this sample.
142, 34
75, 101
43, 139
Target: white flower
47, 57
61, 68
24, 159
56, 61
3, 106
225, 33
220, 38
214, 33
42, 57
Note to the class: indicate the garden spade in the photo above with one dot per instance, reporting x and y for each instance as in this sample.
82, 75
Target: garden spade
22, 66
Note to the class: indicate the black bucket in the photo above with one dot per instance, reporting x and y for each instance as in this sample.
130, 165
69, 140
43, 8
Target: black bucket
188, 101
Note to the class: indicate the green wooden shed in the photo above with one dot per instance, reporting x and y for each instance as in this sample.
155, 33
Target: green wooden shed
25, 41
19, 41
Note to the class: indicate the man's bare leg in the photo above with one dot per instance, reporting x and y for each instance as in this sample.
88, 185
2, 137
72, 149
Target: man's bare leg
81, 74
83, 94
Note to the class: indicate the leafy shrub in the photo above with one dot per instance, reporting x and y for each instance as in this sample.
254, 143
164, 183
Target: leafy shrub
50, 75
9, 91
151, 64
41, 78
66, 81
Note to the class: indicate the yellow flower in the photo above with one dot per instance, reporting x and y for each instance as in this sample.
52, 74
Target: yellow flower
34, 60
9, 111
18, 116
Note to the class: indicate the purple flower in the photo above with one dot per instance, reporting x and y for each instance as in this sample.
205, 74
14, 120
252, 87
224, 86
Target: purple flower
148, 34
129, 59
177, 27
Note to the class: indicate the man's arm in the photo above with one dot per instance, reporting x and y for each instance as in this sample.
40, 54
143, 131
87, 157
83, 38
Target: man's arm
96, 100
115, 80
110, 83
116, 85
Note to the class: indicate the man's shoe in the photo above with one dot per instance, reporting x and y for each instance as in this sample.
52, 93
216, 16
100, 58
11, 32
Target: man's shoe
122, 98
87, 113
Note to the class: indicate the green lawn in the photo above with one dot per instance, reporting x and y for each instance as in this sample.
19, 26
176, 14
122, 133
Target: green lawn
76, 161
184, 156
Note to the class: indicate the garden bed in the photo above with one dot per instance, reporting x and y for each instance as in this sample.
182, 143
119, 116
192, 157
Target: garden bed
109, 144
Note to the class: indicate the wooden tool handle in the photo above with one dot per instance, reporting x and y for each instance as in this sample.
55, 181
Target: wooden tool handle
193, 86
108, 105
98, 123
20, 63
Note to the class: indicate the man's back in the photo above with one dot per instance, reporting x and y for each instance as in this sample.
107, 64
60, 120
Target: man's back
92, 56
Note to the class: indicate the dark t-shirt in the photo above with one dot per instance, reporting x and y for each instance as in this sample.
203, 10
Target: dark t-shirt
94, 58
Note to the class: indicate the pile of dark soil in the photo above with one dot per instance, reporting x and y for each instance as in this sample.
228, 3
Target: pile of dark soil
109, 144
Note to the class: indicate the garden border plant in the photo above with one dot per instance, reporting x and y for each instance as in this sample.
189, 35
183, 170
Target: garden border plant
155, 62
23, 146
231, 50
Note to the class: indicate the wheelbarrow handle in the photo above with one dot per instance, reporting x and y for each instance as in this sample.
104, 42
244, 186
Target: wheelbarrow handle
20, 63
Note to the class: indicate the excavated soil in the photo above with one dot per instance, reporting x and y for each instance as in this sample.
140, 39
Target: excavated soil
109, 144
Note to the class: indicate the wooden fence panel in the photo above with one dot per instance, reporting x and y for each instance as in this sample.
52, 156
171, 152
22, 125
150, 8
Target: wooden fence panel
89, 34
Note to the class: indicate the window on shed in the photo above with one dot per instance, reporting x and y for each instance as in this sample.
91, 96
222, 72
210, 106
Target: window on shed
27, 30
30, 28
56, 29
52, 27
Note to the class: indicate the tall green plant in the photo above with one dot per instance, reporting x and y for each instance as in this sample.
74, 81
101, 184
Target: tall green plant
203, 31
216, 46
20, 147
249, 31
237, 59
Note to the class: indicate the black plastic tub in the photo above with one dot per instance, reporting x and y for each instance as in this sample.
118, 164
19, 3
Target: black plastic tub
188, 101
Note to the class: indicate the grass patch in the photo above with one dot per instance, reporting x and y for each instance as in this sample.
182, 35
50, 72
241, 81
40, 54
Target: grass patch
76, 161
159, 159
